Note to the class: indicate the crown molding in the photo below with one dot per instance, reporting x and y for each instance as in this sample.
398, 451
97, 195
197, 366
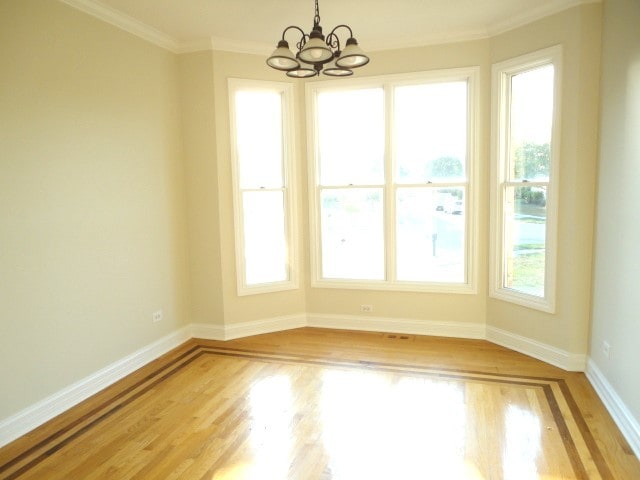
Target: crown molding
195, 46
129, 24
126, 23
238, 46
533, 15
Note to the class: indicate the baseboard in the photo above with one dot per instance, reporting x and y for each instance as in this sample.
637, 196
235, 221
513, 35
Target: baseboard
625, 421
571, 362
247, 329
397, 325
207, 332
23, 422
39, 413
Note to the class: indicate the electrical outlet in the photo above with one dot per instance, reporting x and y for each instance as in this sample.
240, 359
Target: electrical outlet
157, 316
366, 308
606, 350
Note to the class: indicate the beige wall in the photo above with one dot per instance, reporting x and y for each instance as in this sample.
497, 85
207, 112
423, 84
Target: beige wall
92, 200
578, 31
115, 163
616, 302
199, 132
253, 307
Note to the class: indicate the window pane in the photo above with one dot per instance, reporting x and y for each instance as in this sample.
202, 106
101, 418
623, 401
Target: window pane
530, 129
430, 132
259, 138
351, 137
430, 234
525, 239
265, 246
352, 234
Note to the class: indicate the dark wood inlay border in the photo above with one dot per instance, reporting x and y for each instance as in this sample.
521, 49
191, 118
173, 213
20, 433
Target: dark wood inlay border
76, 428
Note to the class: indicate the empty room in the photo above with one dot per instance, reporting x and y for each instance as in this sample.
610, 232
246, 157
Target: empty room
319, 239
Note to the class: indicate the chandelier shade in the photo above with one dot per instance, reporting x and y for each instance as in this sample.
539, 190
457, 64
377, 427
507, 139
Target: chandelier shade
304, 71
317, 53
315, 50
282, 58
352, 56
334, 70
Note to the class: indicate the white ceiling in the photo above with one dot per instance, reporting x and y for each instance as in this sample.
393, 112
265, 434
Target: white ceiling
256, 25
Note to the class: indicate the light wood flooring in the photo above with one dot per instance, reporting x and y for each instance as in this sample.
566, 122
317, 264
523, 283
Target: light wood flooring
326, 404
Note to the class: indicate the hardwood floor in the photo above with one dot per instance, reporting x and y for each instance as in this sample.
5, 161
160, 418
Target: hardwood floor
326, 404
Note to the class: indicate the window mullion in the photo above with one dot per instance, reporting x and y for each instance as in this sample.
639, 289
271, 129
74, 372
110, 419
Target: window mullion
433, 185
351, 186
527, 184
264, 189
389, 191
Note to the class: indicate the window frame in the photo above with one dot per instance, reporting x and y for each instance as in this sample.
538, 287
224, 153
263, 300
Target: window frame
388, 82
286, 90
502, 72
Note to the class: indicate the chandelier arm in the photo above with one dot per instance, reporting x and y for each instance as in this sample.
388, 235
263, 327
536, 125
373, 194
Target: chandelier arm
333, 32
333, 41
295, 27
303, 36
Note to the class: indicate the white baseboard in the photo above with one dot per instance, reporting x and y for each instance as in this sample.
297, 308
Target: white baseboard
571, 362
39, 413
43, 411
398, 325
247, 329
626, 422
207, 332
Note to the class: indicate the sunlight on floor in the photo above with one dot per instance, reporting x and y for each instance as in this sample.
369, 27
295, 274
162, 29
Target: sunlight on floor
374, 427
379, 427
522, 444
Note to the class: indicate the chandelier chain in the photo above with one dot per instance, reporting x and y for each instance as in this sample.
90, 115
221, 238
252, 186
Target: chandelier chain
316, 18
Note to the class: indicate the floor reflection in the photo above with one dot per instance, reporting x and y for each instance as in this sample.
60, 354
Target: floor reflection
382, 427
271, 404
522, 444
376, 425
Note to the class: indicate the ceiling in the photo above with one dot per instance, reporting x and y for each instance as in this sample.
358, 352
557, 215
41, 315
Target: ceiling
255, 26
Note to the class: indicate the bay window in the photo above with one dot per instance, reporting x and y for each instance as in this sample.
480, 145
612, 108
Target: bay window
393, 166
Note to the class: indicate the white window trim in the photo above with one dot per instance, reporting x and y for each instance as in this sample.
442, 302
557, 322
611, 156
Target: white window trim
501, 72
291, 220
468, 74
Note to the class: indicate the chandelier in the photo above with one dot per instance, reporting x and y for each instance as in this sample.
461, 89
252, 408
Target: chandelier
316, 54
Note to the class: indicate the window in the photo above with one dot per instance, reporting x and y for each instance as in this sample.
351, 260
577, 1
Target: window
526, 114
260, 114
391, 188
